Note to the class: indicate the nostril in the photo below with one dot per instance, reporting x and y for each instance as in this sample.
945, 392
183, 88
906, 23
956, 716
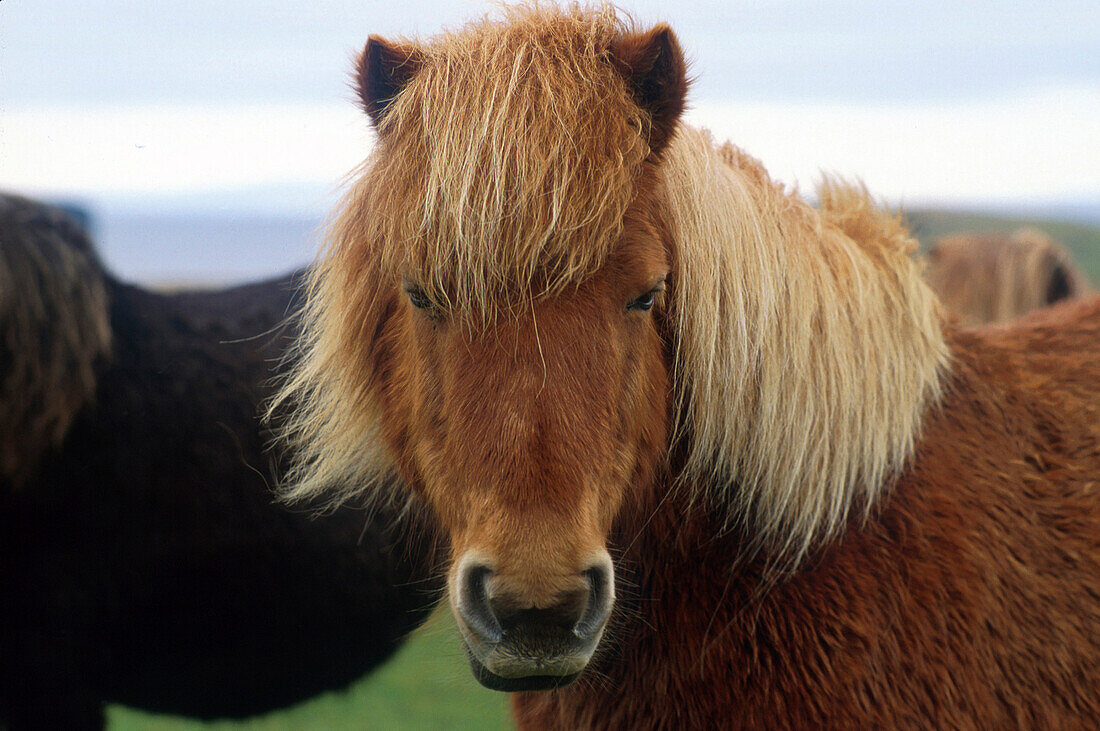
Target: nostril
474, 604
562, 615
601, 595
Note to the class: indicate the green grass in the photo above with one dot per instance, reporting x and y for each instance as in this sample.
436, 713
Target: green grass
1083, 241
427, 685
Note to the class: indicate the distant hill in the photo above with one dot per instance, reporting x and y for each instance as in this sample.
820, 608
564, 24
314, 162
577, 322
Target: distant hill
1081, 239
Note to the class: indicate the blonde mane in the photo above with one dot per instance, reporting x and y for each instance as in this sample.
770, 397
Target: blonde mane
809, 345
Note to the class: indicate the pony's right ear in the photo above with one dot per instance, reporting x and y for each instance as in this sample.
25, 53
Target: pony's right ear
382, 71
656, 73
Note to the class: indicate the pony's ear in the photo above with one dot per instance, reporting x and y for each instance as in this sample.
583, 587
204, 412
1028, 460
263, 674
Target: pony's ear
654, 68
382, 71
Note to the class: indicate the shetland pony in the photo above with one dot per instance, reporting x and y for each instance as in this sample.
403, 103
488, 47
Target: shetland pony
986, 278
144, 560
705, 457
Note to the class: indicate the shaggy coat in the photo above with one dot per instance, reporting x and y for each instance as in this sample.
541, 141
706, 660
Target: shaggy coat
986, 278
145, 559
968, 599
640, 360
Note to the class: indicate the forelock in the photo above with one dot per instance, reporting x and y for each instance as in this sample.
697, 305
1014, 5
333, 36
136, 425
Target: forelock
505, 167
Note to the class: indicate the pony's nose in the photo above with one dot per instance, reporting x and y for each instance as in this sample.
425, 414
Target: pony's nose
517, 617
494, 614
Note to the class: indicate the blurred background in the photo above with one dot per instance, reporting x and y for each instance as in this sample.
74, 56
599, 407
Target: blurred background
207, 140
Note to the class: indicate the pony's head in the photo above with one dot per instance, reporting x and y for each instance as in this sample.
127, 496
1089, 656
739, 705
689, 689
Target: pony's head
987, 278
499, 267
54, 330
539, 284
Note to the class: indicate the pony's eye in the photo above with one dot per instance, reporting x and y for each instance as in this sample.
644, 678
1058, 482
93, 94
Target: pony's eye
645, 302
419, 300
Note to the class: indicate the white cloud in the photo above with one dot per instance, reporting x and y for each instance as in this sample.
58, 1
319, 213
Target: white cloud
182, 149
1042, 144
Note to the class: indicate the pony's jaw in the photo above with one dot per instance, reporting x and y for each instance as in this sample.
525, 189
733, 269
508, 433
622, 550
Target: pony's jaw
515, 643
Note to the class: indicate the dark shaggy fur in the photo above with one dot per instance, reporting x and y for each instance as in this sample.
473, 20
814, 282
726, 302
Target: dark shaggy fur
53, 329
144, 560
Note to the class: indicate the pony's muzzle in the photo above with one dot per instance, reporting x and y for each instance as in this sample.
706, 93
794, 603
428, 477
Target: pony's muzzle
517, 644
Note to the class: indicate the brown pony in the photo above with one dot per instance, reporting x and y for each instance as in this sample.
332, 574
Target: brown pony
985, 278
705, 456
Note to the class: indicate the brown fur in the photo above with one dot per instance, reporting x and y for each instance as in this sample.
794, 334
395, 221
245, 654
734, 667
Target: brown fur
793, 400
968, 601
55, 330
986, 278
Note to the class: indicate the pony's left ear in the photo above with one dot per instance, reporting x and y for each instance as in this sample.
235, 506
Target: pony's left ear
654, 68
383, 70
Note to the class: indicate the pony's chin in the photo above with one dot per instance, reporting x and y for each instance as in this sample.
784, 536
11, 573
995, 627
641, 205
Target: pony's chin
492, 681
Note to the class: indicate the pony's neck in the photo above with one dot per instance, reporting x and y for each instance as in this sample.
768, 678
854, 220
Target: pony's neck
808, 345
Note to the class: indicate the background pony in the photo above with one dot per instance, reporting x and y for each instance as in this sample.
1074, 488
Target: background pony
145, 561
705, 456
987, 278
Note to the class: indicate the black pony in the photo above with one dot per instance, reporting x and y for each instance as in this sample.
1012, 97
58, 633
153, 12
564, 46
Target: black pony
143, 559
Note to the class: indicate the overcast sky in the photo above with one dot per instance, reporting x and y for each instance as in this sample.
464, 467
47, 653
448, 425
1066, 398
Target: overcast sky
210, 100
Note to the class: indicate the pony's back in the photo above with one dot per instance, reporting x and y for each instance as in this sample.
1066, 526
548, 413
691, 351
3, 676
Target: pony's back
1056, 351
